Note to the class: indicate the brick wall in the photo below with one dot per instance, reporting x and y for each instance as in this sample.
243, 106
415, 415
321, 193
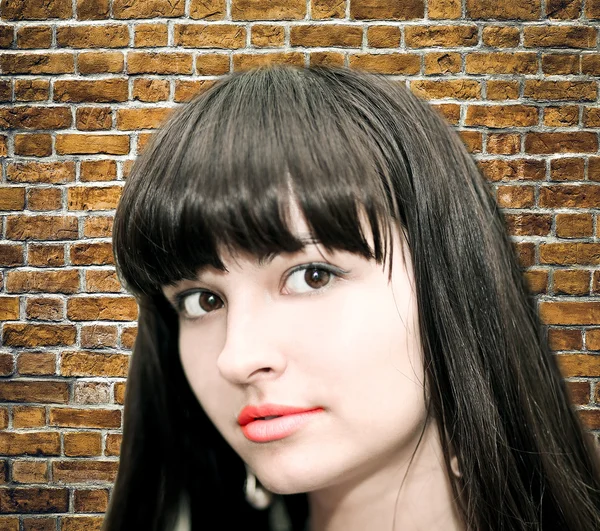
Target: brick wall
84, 83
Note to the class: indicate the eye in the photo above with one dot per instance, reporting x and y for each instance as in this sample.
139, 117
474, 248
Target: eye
196, 304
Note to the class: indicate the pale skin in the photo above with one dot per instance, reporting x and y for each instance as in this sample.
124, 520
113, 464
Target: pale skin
351, 347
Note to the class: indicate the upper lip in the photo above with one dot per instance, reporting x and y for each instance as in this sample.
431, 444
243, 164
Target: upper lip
250, 413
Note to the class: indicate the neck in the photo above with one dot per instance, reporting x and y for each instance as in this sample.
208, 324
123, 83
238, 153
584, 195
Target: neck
423, 503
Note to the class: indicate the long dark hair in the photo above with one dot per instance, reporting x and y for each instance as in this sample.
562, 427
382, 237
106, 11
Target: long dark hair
218, 173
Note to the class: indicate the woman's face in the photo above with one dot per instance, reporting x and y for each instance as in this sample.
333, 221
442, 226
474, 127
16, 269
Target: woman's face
348, 345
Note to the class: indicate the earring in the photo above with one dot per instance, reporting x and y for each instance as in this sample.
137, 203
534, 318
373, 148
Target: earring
454, 466
256, 494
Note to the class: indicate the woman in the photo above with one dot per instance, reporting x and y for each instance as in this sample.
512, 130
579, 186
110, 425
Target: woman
257, 233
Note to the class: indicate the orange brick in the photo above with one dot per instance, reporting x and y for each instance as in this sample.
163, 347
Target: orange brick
85, 471
91, 254
83, 444
94, 364
498, 9
273, 10
64, 281
563, 116
12, 198
592, 342
93, 9
148, 8
99, 336
36, 9
562, 142
74, 144
592, 9
567, 169
26, 117
30, 471
500, 36
34, 500
208, 9
501, 63
113, 444
243, 61
529, 224
5, 90
590, 64
383, 36
36, 363
504, 143
446, 36
77, 91
212, 64
560, 63
150, 35
571, 282
69, 417
42, 391
93, 118
91, 501
560, 90
41, 172
93, 197
559, 36
46, 255
29, 417
267, 36
465, 89
565, 339
34, 37
366, 9
561, 10
185, 90
515, 196
568, 195
593, 171
225, 36
144, 118
591, 117
44, 308
444, 9
501, 115
41, 227
572, 254
37, 63
98, 170
338, 35
537, 280
7, 33
33, 145
442, 63
572, 365
91, 36
100, 62
9, 306
101, 281
101, 308
579, 392
151, 90
513, 169
44, 199
31, 89
159, 63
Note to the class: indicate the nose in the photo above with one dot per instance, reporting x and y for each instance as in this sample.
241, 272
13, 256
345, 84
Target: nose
251, 351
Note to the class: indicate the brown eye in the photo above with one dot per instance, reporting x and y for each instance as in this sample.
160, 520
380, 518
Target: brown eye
315, 277
207, 302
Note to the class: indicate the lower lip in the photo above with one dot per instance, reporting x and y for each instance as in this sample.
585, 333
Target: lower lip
279, 428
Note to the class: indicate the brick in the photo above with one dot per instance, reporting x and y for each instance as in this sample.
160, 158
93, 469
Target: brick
567, 195
145, 118
267, 36
93, 9
99, 336
565, 339
501, 63
503, 143
92, 254
93, 118
37, 9
94, 364
444, 9
63, 281
30, 335
33, 145
32, 89
212, 64
93, 197
367, 9
498, 9
567, 169
326, 58
560, 63
592, 9
46, 255
593, 173
34, 500
34, 37
272, 10
26, 117
402, 63
208, 9
152, 90
573, 365
80, 144
591, 117
7, 33
41, 172
442, 63
120, 392
83, 444
574, 225
590, 64
93, 36
3, 146
338, 35
529, 224
560, 90
102, 281
499, 89
561, 142
37, 63
150, 35
148, 8
579, 392
36, 363
44, 199
91, 501
226, 36
43, 391
473, 140
9, 307
92, 392
570, 254
98, 170
571, 282
500, 36
29, 471
113, 444
10, 255
101, 309
142, 141
42, 227
6, 364
515, 196
537, 281
85, 471
563, 9
12, 198
383, 36
5, 90
563, 116
513, 169
452, 88
100, 62
559, 36
69, 417
245, 61
81, 523
501, 115
100, 91
445, 36
44, 308
186, 90
28, 417
159, 63
592, 342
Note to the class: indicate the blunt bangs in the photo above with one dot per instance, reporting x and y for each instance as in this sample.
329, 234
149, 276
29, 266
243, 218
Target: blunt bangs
221, 172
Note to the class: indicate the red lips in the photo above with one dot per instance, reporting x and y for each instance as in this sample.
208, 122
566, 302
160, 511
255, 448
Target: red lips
250, 413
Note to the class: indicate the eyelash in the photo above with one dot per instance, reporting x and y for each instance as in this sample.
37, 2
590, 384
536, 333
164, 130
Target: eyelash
337, 274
